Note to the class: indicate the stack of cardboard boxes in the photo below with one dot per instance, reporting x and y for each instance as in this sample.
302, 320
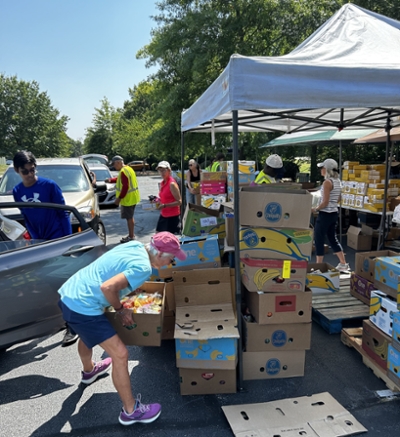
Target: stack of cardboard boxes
213, 189
275, 247
376, 282
246, 175
206, 333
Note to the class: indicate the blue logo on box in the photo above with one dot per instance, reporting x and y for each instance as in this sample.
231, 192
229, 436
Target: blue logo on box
273, 212
273, 366
366, 265
250, 238
279, 338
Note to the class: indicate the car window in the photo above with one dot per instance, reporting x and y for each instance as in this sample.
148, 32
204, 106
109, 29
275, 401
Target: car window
101, 174
70, 178
9, 180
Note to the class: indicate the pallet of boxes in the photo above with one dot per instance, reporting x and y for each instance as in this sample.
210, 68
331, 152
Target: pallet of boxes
213, 188
275, 247
375, 282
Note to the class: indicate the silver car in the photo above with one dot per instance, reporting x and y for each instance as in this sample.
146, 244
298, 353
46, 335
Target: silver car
105, 190
31, 272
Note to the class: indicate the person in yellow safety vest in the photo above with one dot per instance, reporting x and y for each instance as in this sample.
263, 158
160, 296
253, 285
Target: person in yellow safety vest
127, 194
270, 171
218, 159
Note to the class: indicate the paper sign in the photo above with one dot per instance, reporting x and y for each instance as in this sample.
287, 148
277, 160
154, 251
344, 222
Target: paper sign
208, 221
287, 264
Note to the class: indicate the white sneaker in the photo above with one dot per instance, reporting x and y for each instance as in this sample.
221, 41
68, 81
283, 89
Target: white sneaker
343, 267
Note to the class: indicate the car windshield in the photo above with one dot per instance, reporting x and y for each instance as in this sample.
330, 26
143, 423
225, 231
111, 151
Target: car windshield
101, 174
70, 178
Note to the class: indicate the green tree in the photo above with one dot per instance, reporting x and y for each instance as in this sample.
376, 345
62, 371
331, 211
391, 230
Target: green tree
28, 121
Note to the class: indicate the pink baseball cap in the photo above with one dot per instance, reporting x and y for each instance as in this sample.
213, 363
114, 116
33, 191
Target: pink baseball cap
168, 243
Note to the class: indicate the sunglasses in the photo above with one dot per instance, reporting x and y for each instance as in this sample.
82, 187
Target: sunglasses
25, 172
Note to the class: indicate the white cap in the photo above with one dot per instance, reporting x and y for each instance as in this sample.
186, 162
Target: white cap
164, 164
274, 161
329, 164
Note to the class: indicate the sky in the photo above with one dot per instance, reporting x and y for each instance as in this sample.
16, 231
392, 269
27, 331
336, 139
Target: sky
79, 51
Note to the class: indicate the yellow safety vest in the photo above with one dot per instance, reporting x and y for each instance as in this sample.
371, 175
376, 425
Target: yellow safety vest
215, 166
263, 178
132, 196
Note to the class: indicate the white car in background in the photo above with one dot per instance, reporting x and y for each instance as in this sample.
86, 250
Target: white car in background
106, 194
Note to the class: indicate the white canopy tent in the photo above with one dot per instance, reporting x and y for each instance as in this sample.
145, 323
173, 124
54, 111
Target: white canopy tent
346, 75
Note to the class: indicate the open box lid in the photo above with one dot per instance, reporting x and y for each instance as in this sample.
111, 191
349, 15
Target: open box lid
206, 330
318, 415
205, 313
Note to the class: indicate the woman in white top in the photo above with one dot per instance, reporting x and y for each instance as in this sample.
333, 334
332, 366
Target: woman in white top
328, 214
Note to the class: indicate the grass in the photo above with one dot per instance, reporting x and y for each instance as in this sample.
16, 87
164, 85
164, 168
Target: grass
3, 168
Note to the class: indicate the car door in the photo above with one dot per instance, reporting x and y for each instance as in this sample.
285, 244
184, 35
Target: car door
31, 272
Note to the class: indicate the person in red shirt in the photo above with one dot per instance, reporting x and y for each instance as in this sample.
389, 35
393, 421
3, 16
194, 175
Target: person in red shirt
170, 201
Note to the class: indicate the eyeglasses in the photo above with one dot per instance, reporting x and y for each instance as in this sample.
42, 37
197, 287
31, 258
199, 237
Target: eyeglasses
25, 172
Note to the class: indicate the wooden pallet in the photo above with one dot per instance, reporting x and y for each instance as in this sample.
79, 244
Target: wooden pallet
352, 337
335, 311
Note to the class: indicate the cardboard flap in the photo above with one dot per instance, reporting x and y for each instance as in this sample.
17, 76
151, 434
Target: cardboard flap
318, 415
276, 188
353, 230
206, 330
205, 313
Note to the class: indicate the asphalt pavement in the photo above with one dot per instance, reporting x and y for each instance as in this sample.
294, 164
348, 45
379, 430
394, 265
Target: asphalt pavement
40, 394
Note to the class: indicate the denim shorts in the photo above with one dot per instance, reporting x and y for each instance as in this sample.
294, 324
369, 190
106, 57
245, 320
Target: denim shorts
92, 330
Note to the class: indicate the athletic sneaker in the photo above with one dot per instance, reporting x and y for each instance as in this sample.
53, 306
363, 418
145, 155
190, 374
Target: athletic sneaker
343, 267
143, 413
127, 239
69, 337
99, 369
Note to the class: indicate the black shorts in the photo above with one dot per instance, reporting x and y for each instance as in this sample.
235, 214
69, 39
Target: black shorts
170, 224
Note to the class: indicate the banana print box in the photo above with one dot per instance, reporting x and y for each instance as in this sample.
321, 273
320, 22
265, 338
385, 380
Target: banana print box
199, 220
286, 244
375, 343
387, 272
396, 330
201, 253
322, 278
381, 311
273, 275
244, 167
393, 369
273, 207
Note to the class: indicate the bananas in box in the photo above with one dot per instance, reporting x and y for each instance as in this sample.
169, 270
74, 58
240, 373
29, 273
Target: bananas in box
273, 275
283, 243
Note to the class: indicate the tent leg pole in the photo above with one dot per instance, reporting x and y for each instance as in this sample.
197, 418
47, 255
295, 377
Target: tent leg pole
383, 225
238, 282
340, 205
182, 178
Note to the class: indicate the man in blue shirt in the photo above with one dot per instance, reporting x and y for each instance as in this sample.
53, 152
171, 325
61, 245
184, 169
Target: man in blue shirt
42, 223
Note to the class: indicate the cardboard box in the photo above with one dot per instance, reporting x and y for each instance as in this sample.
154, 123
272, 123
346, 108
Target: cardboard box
283, 337
201, 252
212, 187
387, 271
293, 417
207, 381
168, 328
396, 330
198, 220
230, 228
244, 167
242, 178
276, 308
273, 365
357, 240
206, 330
361, 288
213, 176
381, 310
148, 331
270, 207
393, 369
322, 278
273, 275
365, 263
213, 201
292, 244
375, 343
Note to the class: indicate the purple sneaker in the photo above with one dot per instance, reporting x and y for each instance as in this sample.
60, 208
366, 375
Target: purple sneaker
98, 369
143, 413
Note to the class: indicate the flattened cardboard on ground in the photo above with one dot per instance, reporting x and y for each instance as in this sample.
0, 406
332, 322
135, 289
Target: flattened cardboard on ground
319, 415
207, 381
322, 278
148, 331
268, 206
273, 274
273, 365
365, 263
282, 337
275, 308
